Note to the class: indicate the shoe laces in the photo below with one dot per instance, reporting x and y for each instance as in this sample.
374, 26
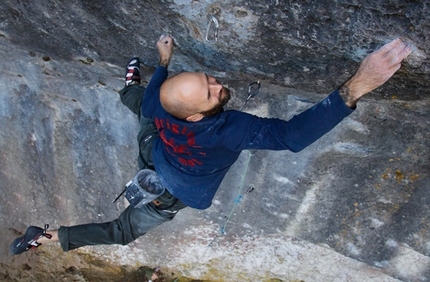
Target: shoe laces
33, 242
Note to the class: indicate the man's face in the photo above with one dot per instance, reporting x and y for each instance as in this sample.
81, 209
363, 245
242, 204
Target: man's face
192, 95
218, 96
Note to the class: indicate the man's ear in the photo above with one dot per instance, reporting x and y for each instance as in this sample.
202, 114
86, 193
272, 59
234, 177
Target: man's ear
195, 117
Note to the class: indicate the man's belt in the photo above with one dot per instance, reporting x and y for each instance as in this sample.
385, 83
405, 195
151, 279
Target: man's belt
156, 202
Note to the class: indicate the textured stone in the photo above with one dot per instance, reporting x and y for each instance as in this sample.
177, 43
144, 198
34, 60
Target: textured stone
310, 45
352, 207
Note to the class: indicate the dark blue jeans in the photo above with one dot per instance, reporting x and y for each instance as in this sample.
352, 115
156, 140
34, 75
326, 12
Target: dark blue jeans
132, 223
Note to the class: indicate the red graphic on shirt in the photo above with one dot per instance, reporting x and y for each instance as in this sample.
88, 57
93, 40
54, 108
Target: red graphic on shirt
180, 151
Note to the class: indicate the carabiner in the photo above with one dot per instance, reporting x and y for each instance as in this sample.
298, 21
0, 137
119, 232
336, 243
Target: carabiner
250, 93
213, 20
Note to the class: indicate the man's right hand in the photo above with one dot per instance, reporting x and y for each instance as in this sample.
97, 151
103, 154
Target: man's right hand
374, 71
165, 49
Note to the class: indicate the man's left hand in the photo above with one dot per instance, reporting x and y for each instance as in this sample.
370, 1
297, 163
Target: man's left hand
165, 49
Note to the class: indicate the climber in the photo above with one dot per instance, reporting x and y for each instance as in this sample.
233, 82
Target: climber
191, 142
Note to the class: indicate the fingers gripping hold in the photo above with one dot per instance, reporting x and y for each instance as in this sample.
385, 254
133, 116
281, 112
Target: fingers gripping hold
165, 49
375, 70
393, 53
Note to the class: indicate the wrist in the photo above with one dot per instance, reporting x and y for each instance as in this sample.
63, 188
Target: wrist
164, 63
348, 95
164, 60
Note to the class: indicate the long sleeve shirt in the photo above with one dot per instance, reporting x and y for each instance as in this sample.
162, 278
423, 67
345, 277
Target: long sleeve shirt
192, 158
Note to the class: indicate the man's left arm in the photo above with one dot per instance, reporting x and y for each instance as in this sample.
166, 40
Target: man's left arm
165, 50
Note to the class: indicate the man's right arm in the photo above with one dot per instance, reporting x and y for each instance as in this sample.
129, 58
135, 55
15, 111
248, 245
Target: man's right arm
307, 127
374, 71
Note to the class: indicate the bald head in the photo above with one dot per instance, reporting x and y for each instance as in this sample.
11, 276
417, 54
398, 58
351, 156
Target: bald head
192, 96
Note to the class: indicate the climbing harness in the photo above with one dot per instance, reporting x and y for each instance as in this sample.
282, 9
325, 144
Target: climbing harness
253, 89
212, 21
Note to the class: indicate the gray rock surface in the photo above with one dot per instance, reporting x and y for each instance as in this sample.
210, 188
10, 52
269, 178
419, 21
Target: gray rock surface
354, 206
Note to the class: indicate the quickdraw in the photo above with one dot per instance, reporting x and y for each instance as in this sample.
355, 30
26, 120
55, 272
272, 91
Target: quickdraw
251, 93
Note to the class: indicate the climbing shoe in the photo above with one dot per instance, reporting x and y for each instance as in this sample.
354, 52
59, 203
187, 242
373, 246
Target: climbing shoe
29, 240
132, 72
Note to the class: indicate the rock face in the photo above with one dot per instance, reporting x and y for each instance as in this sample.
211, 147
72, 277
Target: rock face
352, 207
312, 45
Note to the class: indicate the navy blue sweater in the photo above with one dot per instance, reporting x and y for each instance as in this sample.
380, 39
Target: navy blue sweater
192, 158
